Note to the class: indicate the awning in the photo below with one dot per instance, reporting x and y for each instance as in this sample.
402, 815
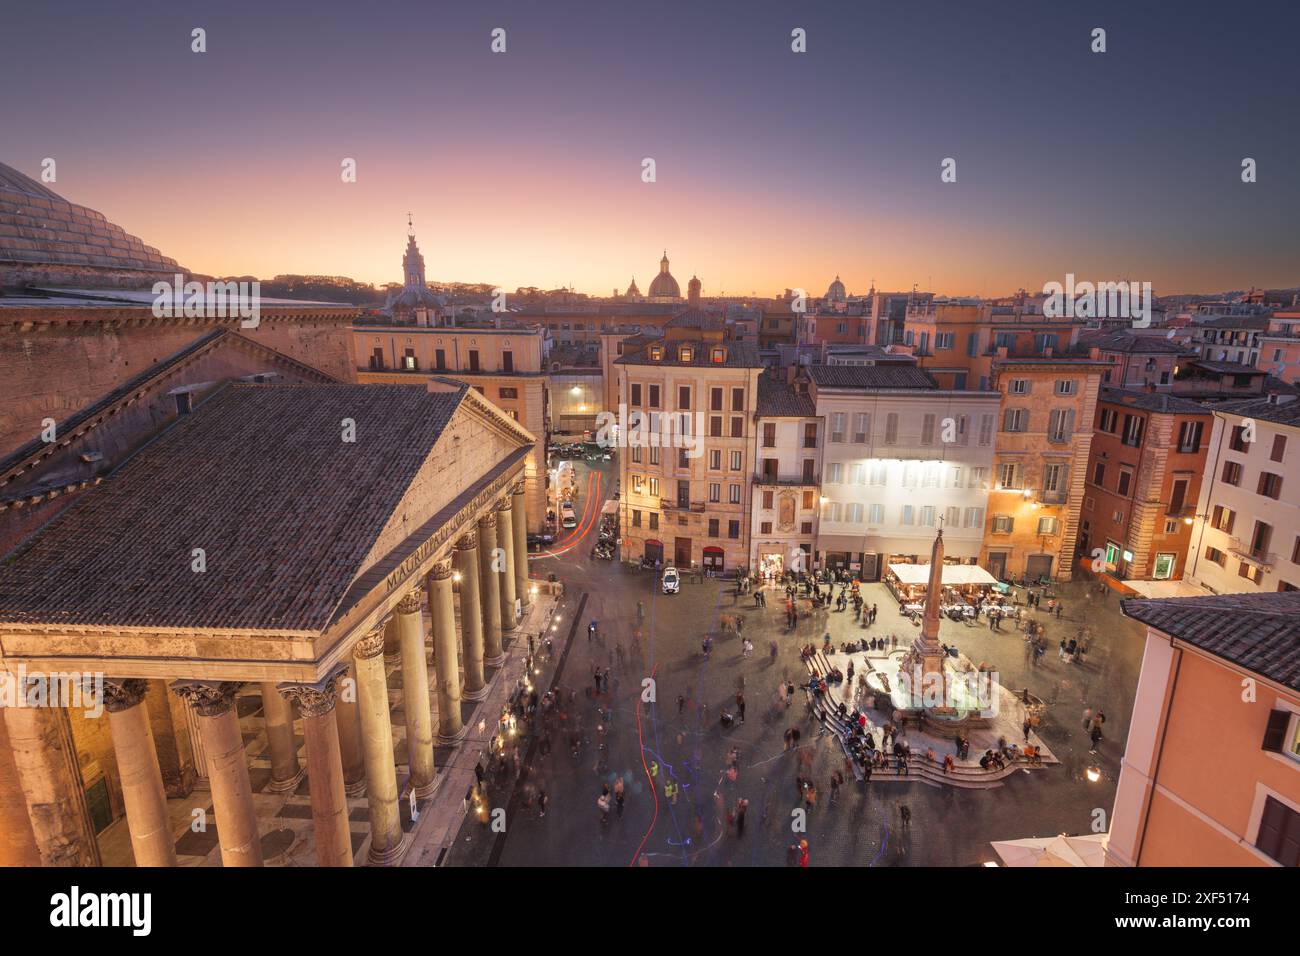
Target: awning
1054, 851
954, 575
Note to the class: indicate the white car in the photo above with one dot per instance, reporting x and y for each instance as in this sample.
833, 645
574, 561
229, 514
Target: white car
568, 518
672, 581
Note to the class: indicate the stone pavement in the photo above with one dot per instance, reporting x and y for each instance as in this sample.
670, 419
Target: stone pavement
686, 743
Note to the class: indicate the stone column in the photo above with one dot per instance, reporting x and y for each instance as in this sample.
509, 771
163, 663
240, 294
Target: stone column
348, 717
387, 844
329, 805
519, 524
490, 590
506, 542
443, 615
415, 695
232, 795
471, 616
147, 818
278, 713
45, 761
392, 643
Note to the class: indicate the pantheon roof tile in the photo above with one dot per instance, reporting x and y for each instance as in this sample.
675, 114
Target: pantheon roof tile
258, 477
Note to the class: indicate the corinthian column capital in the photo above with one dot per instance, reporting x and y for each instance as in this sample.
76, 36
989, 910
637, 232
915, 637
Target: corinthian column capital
314, 700
489, 521
371, 645
410, 602
123, 693
468, 541
209, 698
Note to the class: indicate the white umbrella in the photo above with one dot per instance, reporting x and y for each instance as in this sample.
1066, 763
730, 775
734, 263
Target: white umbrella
1053, 851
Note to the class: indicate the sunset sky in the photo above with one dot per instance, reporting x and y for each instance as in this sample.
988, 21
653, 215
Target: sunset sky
775, 169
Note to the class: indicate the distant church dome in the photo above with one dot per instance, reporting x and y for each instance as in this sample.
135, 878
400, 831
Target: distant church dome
836, 291
664, 286
415, 292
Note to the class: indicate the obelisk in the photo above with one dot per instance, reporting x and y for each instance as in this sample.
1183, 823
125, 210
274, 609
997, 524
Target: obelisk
926, 649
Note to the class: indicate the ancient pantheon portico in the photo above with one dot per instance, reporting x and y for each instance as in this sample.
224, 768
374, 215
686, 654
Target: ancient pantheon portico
280, 536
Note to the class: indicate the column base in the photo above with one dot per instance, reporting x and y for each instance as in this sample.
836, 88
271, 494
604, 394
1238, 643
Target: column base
475, 694
454, 738
495, 661
288, 785
427, 790
390, 857
357, 789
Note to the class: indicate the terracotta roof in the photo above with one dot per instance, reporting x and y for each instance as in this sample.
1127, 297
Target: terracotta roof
1151, 401
1259, 632
695, 319
1235, 322
1281, 413
870, 376
777, 399
259, 478
1226, 368
1140, 344
738, 354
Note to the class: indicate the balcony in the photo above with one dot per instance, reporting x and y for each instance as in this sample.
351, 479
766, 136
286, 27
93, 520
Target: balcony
789, 481
1257, 556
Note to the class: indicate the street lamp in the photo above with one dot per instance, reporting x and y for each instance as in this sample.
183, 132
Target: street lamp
1093, 773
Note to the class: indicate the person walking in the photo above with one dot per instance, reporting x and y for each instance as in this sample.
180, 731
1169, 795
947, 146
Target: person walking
742, 805
740, 705
681, 704
1059, 607
905, 813
618, 795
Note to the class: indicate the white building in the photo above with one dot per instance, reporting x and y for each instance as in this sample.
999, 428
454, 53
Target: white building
901, 457
1246, 537
787, 474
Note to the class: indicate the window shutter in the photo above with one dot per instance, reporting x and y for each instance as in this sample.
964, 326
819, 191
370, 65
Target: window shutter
1275, 734
1006, 420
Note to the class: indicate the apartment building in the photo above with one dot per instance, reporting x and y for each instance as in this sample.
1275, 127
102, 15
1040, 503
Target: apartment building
901, 458
1211, 774
506, 365
1246, 532
787, 477
958, 342
1279, 347
1040, 460
1138, 361
1143, 478
1231, 338
686, 471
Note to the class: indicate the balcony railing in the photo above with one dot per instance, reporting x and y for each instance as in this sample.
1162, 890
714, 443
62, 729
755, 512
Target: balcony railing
793, 481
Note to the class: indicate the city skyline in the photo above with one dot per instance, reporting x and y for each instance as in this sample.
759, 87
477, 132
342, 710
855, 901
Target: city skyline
773, 168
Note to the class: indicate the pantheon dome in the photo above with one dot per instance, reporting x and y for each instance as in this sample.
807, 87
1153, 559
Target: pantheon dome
46, 240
